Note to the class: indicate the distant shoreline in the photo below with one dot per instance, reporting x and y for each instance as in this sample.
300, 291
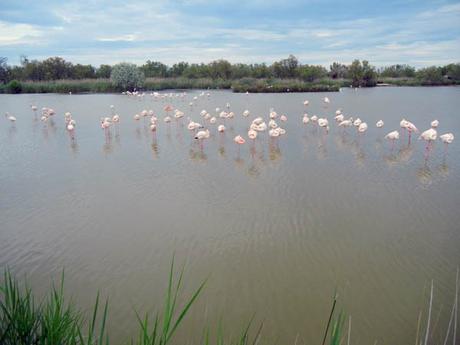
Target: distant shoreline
251, 85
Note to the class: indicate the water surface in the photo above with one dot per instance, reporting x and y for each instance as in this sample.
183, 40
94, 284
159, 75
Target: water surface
277, 226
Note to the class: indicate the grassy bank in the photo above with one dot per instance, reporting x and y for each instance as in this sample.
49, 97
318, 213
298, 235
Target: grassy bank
252, 85
416, 82
157, 84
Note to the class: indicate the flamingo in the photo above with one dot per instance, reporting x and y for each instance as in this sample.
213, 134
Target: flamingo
326, 100
339, 117
274, 133
252, 134
272, 124
202, 135
314, 118
434, 124
447, 139
246, 113
392, 136
357, 122
362, 127
429, 136
305, 119
137, 117
379, 124
324, 123
239, 140
346, 123
283, 118
306, 103
221, 128
11, 118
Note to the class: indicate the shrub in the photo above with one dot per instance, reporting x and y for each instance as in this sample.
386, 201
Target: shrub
14, 86
127, 76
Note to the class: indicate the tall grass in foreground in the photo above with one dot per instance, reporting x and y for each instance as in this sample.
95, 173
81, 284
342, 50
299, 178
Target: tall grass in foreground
57, 321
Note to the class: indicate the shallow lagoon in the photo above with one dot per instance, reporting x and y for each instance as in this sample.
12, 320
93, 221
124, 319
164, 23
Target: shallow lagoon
276, 226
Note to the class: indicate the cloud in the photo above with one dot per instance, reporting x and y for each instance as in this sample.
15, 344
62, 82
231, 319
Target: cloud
14, 34
202, 30
122, 38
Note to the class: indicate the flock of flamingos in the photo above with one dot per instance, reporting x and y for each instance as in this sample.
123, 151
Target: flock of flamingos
201, 131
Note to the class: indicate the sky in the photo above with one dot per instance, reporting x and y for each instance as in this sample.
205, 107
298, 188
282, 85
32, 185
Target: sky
420, 33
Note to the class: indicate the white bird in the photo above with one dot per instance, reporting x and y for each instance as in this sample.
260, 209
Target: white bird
221, 128
323, 122
272, 124
116, 118
202, 135
136, 117
262, 127
283, 118
346, 123
357, 122
326, 100
392, 136
314, 118
239, 140
434, 123
379, 124
167, 119
305, 119
429, 135
447, 138
11, 117
339, 117
246, 113
362, 127
252, 134
274, 133
305, 103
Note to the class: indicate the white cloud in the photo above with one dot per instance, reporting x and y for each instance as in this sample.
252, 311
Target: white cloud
13, 34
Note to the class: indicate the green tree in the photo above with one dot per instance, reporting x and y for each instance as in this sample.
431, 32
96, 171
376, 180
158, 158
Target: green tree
311, 73
3, 70
177, 70
453, 71
127, 76
398, 71
261, 71
56, 68
154, 69
338, 71
430, 75
369, 77
220, 69
104, 71
83, 72
286, 68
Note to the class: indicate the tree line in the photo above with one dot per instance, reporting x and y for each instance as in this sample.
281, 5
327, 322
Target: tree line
360, 73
